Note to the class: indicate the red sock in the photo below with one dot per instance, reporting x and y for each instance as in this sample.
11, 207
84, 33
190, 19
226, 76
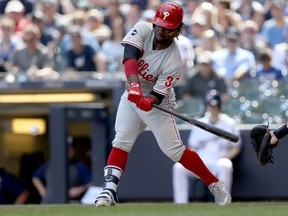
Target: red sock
118, 158
191, 161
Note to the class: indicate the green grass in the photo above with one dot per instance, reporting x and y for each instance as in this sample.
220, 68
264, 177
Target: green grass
150, 209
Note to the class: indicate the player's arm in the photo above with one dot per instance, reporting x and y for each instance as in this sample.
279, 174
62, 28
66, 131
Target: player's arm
131, 56
235, 148
22, 198
16, 188
276, 135
37, 177
130, 60
77, 191
233, 152
39, 186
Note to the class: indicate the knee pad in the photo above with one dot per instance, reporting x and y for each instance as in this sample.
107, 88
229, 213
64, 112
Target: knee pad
225, 162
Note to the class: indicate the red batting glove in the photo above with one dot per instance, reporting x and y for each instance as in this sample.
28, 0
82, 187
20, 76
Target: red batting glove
145, 103
134, 92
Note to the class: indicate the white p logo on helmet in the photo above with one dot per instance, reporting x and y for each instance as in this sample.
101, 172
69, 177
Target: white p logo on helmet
166, 14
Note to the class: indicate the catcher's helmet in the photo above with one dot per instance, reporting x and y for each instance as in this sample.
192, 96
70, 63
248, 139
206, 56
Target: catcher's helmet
169, 15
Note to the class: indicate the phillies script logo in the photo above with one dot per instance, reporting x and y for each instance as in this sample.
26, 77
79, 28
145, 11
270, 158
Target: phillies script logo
142, 65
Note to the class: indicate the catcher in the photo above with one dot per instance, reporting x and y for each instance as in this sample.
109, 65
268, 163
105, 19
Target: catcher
265, 141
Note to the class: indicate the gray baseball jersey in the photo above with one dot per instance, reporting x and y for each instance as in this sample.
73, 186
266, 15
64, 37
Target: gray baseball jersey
158, 69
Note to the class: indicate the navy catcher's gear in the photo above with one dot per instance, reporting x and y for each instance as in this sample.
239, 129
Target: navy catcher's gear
260, 139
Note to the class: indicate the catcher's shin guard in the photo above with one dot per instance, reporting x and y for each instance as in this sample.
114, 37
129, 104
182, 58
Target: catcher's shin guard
108, 195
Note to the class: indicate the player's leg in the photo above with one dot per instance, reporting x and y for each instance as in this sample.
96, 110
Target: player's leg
128, 126
168, 138
191, 160
180, 178
224, 171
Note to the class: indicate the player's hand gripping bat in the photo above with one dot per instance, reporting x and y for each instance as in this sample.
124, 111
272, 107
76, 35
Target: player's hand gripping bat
210, 128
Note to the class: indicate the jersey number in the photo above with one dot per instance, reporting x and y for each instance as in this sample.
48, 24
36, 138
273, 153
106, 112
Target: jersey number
169, 81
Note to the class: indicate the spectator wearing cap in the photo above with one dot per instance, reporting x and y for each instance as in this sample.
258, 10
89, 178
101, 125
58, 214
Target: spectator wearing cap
29, 6
82, 57
204, 80
15, 10
217, 153
233, 62
273, 29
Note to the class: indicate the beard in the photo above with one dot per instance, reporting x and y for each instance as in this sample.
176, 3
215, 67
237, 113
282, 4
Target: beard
162, 39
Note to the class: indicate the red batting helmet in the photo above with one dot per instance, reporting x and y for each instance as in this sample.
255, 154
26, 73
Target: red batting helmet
169, 15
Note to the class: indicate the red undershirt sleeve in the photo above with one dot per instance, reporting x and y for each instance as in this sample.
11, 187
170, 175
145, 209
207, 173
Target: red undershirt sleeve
131, 67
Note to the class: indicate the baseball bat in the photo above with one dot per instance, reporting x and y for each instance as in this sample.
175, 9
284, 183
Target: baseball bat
210, 128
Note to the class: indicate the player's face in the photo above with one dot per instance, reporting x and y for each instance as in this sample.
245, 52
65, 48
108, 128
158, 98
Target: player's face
162, 34
213, 110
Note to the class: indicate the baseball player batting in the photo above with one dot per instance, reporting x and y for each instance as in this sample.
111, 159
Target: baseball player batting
153, 65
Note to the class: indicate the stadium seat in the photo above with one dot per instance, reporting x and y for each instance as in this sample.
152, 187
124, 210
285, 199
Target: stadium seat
233, 107
249, 88
254, 118
275, 108
193, 107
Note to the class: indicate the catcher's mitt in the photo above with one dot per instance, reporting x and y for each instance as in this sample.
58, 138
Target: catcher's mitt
260, 140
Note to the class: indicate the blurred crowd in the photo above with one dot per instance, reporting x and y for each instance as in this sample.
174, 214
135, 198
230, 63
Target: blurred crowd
48, 39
